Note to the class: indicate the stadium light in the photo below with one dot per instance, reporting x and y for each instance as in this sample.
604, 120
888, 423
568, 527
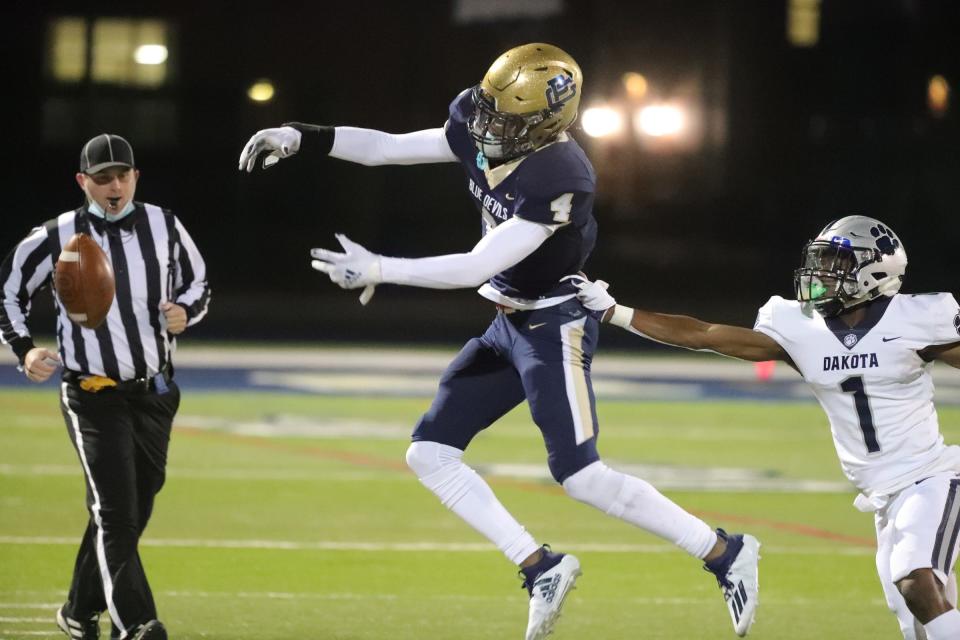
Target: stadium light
938, 95
660, 120
635, 84
150, 54
803, 22
602, 122
261, 91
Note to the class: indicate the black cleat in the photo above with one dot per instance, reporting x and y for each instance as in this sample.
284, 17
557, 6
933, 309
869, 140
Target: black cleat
88, 629
150, 630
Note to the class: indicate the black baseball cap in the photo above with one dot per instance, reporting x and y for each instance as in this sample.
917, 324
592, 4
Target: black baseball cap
104, 151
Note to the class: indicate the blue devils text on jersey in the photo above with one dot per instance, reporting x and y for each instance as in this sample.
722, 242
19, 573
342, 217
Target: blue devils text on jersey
554, 186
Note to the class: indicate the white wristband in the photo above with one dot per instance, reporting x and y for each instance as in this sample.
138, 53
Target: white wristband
622, 316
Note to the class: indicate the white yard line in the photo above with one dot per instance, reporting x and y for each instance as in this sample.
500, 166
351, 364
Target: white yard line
274, 595
418, 384
268, 475
417, 547
664, 477
8, 619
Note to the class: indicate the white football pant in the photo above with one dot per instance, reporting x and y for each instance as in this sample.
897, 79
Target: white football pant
918, 530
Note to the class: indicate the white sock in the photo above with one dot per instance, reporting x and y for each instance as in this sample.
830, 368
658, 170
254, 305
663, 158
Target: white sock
639, 503
946, 626
441, 469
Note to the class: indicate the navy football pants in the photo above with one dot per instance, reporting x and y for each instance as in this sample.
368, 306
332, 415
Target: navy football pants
542, 356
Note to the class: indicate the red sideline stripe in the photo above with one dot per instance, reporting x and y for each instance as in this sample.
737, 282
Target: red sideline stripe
358, 459
790, 527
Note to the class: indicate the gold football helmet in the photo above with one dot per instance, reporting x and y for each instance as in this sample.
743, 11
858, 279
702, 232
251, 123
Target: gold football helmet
528, 97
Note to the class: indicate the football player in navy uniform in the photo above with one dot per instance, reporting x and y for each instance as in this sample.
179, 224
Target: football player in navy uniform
534, 188
866, 351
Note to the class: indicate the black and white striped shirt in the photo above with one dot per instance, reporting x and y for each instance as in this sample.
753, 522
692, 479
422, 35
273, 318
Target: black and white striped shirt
154, 260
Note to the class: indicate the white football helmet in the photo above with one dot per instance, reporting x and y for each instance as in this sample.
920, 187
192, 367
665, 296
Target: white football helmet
852, 261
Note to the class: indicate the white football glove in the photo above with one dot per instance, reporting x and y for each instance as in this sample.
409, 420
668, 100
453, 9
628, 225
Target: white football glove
281, 142
351, 270
594, 295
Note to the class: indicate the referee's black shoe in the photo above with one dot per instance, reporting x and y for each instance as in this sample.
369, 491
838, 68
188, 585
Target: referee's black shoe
88, 629
150, 630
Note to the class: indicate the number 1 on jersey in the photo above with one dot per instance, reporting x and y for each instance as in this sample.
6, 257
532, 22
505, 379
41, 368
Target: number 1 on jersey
855, 386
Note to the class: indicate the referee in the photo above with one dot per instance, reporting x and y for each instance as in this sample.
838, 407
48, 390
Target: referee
118, 396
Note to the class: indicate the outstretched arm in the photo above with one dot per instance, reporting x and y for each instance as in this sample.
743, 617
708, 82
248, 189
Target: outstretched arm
364, 146
692, 333
503, 247
682, 331
371, 147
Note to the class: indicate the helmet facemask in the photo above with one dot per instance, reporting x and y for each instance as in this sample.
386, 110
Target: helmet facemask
498, 135
827, 277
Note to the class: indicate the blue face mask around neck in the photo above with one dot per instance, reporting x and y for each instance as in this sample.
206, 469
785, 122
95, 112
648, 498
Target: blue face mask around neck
98, 211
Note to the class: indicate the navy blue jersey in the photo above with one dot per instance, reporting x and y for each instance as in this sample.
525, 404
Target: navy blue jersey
554, 185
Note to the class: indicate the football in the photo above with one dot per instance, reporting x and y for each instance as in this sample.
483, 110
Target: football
84, 281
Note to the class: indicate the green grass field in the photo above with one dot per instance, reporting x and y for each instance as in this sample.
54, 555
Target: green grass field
300, 536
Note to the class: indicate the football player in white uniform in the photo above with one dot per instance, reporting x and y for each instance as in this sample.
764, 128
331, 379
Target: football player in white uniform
866, 351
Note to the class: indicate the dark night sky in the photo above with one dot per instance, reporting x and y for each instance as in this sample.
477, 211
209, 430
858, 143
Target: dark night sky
810, 134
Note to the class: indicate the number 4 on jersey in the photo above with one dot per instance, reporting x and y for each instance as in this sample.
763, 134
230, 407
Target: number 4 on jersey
561, 208
855, 386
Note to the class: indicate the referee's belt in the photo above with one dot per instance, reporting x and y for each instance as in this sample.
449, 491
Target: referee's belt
158, 383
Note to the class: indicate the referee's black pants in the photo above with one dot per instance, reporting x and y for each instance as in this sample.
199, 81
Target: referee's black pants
121, 439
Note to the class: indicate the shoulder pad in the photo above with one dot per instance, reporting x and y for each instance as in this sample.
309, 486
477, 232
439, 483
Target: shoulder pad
462, 106
558, 168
